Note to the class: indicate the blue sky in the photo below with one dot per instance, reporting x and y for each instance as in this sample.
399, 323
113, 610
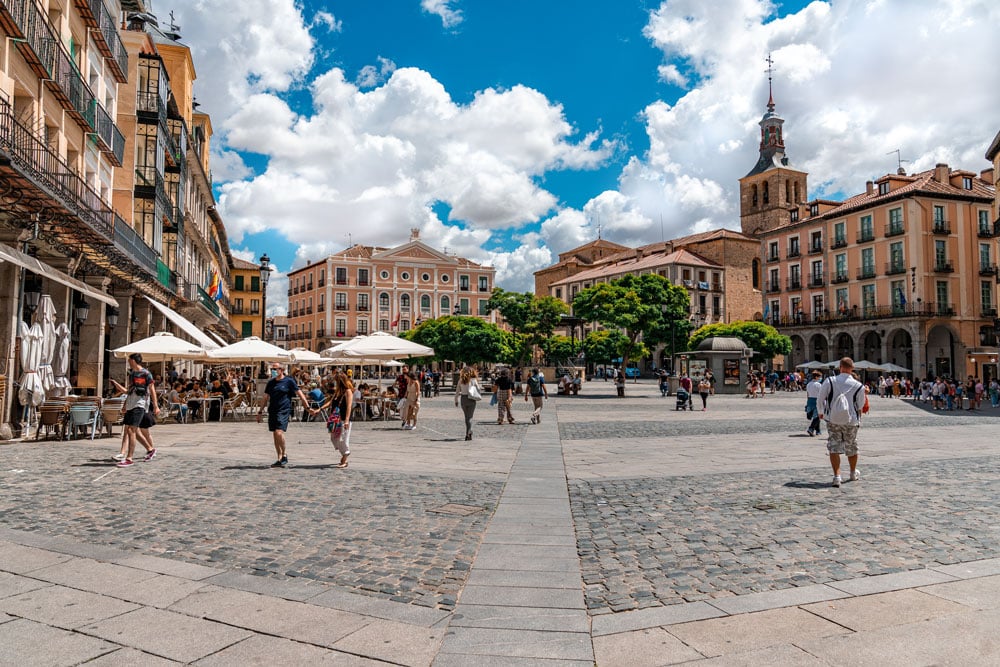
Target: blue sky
510, 131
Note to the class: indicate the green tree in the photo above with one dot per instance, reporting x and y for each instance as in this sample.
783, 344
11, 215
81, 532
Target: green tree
762, 338
531, 317
603, 345
558, 348
464, 339
638, 306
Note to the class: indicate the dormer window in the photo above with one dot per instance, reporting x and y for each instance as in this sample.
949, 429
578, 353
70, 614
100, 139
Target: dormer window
967, 182
813, 210
883, 188
794, 213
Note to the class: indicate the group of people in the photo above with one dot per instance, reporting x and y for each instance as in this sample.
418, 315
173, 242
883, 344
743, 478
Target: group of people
946, 393
469, 392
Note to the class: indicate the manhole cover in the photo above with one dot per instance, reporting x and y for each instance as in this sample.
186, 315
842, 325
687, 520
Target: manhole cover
457, 509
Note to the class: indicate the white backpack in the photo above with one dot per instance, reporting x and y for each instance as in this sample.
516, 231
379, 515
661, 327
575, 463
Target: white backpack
840, 407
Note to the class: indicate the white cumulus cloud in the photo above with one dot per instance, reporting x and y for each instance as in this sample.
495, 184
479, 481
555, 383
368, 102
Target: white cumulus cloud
450, 17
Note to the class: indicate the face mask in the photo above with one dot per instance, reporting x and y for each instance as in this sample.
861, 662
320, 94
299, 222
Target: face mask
274, 373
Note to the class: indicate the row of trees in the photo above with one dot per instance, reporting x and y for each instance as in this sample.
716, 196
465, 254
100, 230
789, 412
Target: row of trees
637, 313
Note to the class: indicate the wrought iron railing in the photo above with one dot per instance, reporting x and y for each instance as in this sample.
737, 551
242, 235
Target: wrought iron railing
859, 314
128, 239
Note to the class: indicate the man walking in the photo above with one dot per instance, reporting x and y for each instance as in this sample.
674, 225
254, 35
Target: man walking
536, 389
278, 396
813, 391
141, 398
842, 402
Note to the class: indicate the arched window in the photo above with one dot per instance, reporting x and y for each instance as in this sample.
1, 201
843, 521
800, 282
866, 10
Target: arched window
404, 301
383, 301
425, 302
796, 187
756, 273
767, 196
445, 306
753, 190
788, 190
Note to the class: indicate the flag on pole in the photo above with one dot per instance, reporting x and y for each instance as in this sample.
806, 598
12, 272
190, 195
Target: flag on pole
902, 297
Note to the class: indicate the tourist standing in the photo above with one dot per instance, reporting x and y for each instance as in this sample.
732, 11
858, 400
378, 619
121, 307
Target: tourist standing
704, 388
412, 403
277, 399
341, 402
842, 402
468, 393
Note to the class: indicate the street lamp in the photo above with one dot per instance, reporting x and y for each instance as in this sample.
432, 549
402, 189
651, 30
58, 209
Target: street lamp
265, 276
112, 318
81, 309
32, 294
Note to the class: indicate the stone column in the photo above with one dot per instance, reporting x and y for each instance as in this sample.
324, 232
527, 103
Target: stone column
90, 364
10, 366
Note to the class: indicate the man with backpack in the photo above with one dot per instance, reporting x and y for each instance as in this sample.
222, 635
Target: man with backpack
842, 401
538, 393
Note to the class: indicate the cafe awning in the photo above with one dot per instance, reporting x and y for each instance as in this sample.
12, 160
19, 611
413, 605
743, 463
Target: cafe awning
8, 254
185, 325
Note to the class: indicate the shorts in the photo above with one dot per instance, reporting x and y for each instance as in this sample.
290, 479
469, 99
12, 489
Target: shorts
843, 439
278, 422
134, 417
148, 420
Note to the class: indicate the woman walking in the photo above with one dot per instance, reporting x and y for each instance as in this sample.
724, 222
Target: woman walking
704, 389
468, 382
412, 403
341, 402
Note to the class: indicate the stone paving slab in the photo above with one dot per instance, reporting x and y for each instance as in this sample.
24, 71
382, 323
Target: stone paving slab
521, 596
91, 575
653, 617
265, 651
642, 648
784, 655
129, 657
976, 568
167, 634
376, 608
63, 607
517, 644
748, 632
19, 559
891, 582
969, 638
458, 660
472, 615
871, 612
175, 568
12, 584
26, 643
981, 593
788, 597
482, 576
394, 642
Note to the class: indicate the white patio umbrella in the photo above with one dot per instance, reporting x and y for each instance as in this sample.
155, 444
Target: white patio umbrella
813, 365
31, 392
45, 317
60, 361
161, 346
379, 345
307, 357
251, 350
865, 365
895, 368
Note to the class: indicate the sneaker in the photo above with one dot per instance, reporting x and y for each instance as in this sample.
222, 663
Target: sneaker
281, 463
150, 455
836, 481
855, 475
413, 428
118, 457
124, 463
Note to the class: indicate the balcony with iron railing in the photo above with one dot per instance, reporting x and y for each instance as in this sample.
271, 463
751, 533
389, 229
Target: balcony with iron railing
894, 229
985, 232
93, 221
321, 308
839, 277
341, 281
866, 272
860, 314
772, 286
941, 227
839, 242
794, 283
104, 28
815, 248
363, 308
321, 282
989, 312
817, 280
340, 305
773, 257
236, 310
794, 252
987, 269
364, 282
894, 268
944, 266
866, 236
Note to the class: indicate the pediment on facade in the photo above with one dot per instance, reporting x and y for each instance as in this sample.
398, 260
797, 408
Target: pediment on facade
415, 251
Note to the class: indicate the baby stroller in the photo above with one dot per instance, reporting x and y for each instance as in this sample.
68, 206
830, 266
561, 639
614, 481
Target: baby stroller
683, 399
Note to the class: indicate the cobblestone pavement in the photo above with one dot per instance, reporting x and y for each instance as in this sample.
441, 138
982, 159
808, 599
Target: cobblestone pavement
379, 533
646, 542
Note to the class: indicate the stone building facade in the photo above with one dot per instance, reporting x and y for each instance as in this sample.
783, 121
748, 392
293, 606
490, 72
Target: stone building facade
363, 289
904, 272
246, 299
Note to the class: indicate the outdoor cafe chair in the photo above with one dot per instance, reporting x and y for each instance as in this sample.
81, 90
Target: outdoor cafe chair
51, 416
111, 414
82, 416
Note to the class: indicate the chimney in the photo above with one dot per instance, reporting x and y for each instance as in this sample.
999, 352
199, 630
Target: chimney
941, 172
869, 187
987, 175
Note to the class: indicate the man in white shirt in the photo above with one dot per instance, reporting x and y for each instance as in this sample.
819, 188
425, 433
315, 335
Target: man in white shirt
843, 427
813, 390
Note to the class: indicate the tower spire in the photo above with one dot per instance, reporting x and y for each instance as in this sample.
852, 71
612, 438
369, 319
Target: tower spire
770, 91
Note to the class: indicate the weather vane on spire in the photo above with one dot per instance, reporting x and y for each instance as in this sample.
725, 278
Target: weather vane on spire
770, 72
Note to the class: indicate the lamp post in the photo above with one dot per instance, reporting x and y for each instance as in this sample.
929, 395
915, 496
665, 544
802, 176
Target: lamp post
81, 310
265, 276
112, 317
32, 295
